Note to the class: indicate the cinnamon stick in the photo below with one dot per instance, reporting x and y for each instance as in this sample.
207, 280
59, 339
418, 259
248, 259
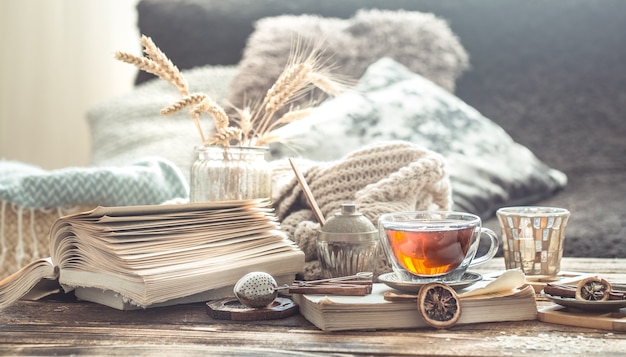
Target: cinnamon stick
345, 288
569, 291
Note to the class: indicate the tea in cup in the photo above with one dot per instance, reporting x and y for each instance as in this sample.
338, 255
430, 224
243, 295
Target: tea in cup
427, 246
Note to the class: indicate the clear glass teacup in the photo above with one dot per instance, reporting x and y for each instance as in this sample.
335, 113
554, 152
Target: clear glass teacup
425, 246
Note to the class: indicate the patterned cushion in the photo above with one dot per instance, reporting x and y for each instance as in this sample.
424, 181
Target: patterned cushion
487, 168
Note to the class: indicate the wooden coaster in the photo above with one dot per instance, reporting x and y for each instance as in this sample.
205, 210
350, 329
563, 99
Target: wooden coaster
611, 321
232, 309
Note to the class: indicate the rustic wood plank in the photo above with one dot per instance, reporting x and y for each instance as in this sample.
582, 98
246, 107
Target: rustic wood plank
531, 338
60, 325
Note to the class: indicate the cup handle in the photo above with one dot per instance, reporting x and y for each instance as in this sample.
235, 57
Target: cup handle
493, 249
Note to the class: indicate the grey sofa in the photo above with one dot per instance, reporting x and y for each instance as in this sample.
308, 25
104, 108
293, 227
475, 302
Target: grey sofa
552, 74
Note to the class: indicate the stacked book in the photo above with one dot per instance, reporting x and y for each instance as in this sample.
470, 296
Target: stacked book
146, 256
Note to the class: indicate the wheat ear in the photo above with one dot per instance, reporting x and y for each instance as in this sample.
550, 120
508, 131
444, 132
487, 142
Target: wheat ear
326, 83
188, 101
245, 122
150, 66
288, 84
224, 136
169, 71
220, 118
143, 63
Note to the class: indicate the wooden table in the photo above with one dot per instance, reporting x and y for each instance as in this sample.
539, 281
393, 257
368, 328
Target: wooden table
62, 326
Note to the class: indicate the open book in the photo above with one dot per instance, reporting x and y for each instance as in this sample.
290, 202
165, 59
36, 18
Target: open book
145, 256
500, 302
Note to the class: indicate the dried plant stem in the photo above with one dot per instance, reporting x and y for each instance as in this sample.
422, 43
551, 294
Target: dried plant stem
256, 127
220, 118
290, 117
184, 102
196, 121
224, 136
245, 122
169, 70
326, 84
288, 84
143, 63
265, 139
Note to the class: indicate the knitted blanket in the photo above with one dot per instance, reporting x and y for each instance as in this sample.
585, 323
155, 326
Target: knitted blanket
31, 199
381, 178
150, 181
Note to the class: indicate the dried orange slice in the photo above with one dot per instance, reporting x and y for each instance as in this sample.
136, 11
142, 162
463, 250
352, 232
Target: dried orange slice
593, 289
439, 305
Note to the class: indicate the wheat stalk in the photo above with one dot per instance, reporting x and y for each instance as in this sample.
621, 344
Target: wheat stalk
326, 83
224, 136
156, 63
245, 123
290, 117
220, 118
256, 126
266, 139
303, 71
168, 69
143, 63
184, 102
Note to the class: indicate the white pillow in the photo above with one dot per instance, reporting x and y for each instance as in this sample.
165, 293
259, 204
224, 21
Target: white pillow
487, 168
130, 127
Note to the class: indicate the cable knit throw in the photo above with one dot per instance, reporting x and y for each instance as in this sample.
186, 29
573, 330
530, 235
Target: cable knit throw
381, 178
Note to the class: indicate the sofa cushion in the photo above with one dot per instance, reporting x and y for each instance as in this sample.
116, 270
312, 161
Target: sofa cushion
420, 41
130, 127
195, 33
487, 168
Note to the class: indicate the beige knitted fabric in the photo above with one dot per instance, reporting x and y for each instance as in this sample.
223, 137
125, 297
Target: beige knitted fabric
24, 233
380, 178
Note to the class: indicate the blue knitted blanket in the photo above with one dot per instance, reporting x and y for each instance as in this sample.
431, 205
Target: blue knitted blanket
150, 181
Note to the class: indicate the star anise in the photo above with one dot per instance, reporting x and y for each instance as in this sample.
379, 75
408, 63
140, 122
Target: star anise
593, 289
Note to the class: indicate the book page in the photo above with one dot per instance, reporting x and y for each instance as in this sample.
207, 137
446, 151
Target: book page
175, 251
148, 210
501, 286
18, 284
179, 282
137, 262
175, 238
371, 312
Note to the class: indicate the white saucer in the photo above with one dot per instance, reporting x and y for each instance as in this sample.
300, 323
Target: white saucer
391, 280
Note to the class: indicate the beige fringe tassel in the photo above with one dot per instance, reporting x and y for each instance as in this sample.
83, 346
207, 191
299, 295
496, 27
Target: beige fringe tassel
24, 233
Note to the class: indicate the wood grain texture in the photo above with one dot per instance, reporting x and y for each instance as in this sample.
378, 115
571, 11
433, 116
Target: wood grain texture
60, 325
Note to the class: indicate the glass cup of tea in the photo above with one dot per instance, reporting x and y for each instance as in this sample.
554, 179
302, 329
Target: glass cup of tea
425, 246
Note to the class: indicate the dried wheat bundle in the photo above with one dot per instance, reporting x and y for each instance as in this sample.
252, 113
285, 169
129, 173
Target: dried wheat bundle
256, 123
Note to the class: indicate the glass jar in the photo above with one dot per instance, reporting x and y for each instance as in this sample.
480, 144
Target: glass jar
230, 173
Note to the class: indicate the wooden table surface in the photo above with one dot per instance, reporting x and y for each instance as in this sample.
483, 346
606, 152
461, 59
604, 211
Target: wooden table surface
62, 326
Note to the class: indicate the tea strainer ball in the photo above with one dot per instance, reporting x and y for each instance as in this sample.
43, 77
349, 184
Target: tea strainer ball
256, 289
